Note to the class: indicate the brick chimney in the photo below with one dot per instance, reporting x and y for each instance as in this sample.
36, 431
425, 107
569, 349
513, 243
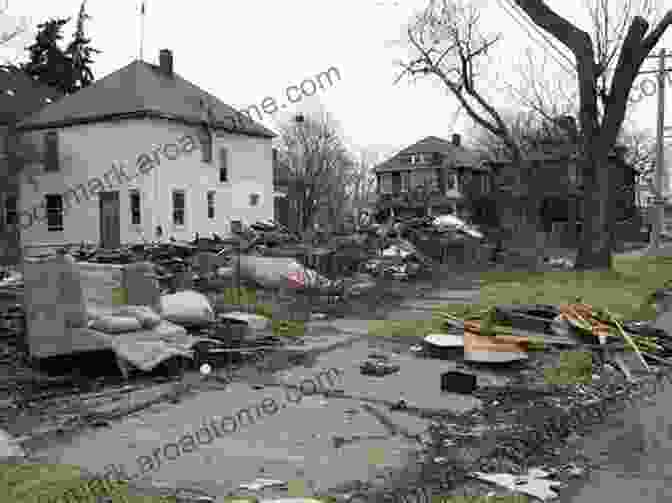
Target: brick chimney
166, 62
456, 140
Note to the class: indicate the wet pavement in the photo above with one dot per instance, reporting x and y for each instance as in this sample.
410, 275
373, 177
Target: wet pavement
321, 441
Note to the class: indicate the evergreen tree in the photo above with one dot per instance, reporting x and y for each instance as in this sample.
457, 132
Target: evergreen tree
80, 53
68, 70
48, 63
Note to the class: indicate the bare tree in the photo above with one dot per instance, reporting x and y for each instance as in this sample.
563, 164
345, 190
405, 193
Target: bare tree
606, 64
449, 45
319, 169
361, 184
446, 43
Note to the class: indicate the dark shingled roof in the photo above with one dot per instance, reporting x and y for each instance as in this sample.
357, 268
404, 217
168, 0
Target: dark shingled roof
460, 156
141, 89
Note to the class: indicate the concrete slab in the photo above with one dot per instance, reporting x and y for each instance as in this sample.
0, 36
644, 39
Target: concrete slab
296, 443
321, 342
417, 382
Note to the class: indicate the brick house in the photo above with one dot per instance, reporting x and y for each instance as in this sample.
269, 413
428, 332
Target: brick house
433, 176
553, 173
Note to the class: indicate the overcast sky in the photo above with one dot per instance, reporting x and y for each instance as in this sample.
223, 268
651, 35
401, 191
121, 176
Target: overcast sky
243, 52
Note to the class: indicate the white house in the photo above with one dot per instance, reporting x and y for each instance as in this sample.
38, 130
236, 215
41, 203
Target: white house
141, 152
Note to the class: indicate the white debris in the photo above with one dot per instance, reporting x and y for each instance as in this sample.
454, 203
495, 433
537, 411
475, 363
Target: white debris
259, 484
532, 484
9, 447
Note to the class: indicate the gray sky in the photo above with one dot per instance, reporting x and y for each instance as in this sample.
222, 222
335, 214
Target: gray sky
243, 52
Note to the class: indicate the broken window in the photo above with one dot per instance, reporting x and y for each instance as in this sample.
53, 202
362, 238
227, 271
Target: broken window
54, 205
178, 207
134, 195
211, 204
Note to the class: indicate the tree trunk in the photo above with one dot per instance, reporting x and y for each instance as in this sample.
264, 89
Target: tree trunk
597, 243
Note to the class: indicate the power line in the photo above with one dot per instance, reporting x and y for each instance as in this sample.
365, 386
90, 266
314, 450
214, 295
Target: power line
523, 24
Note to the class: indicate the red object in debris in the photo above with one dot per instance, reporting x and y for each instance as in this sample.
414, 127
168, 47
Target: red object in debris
296, 279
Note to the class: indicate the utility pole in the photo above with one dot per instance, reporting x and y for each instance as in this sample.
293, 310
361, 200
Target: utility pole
659, 206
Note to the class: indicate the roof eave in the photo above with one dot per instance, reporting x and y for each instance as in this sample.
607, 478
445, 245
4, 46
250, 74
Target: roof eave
27, 126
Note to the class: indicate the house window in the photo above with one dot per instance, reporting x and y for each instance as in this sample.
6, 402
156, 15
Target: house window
134, 196
223, 165
54, 206
485, 183
425, 178
211, 204
451, 181
405, 181
205, 137
386, 183
51, 151
178, 207
11, 213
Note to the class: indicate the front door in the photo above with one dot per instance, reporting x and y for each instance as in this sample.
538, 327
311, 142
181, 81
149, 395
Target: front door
109, 220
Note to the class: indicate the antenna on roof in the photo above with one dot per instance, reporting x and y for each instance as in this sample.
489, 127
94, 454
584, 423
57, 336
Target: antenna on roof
142, 26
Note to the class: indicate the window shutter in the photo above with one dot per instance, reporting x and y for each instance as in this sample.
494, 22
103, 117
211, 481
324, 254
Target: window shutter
206, 144
51, 151
223, 166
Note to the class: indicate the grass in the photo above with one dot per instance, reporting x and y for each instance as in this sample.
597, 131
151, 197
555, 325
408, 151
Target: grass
575, 367
59, 483
47, 483
624, 291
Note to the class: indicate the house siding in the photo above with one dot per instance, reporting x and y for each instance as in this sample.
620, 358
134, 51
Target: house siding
88, 151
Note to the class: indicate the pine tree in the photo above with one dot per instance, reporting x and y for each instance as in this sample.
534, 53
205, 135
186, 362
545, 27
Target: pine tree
48, 63
68, 70
80, 53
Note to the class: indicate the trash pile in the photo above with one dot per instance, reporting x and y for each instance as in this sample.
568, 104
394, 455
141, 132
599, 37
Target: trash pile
563, 364
399, 259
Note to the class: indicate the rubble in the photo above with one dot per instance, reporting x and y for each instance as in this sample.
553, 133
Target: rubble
533, 332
